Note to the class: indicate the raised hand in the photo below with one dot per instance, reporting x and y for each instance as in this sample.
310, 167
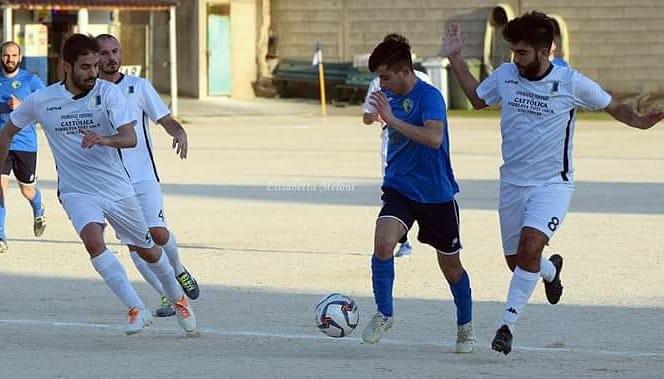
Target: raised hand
379, 101
453, 41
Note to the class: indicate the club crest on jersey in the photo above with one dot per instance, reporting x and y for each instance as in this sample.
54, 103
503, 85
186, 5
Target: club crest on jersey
16, 84
407, 105
130, 90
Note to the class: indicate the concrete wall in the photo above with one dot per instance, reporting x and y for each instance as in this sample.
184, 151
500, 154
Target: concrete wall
192, 47
243, 48
620, 43
187, 40
348, 27
189, 47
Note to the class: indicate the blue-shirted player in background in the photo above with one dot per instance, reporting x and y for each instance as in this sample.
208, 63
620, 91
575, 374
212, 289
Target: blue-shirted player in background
419, 185
15, 85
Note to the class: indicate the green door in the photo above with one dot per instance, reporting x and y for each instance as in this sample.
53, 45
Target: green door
219, 55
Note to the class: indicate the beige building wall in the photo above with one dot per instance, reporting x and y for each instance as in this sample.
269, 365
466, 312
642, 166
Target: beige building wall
243, 48
192, 40
619, 43
350, 27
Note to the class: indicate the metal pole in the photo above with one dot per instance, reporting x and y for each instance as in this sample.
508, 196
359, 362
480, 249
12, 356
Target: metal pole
149, 74
7, 24
173, 61
83, 20
146, 55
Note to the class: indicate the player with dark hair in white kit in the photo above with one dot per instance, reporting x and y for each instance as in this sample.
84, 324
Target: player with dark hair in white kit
539, 107
87, 121
145, 104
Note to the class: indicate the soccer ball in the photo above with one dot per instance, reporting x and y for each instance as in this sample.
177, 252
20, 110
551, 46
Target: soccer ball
336, 315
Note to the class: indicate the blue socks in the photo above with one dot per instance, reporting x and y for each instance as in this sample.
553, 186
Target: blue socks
463, 299
36, 204
3, 213
383, 279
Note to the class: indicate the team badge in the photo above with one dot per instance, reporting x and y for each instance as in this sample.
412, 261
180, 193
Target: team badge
130, 90
16, 84
407, 105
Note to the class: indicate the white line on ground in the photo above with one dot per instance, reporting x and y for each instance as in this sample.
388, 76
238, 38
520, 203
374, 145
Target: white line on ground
212, 331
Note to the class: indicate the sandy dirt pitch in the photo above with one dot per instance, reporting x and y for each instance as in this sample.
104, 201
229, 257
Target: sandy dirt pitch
276, 208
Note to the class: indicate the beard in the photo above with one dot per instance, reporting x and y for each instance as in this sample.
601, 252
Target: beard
111, 68
9, 68
530, 70
84, 84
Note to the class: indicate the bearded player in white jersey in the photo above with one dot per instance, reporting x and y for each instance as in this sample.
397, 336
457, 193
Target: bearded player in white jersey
539, 105
145, 105
87, 121
371, 116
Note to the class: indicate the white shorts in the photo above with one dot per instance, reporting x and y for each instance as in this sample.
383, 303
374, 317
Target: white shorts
542, 207
149, 197
384, 140
124, 215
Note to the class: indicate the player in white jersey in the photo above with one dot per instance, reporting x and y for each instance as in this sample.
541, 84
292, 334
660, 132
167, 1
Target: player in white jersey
371, 116
145, 105
87, 122
539, 102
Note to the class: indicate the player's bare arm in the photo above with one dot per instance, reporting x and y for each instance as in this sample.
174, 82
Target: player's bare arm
175, 130
452, 46
430, 135
6, 135
625, 114
124, 138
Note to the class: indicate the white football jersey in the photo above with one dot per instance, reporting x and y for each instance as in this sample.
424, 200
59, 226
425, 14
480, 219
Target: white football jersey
95, 171
374, 86
145, 105
538, 120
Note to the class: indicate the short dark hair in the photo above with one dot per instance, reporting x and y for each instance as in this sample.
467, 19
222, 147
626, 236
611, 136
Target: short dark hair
10, 43
396, 37
77, 45
106, 36
534, 28
393, 53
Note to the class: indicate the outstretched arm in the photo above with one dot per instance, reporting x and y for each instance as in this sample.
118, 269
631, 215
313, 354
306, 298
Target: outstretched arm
175, 130
452, 46
625, 114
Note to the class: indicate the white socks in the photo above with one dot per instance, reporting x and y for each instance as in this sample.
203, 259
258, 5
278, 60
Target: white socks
146, 273
164, 272
171, 250
547, 270
522, 285
108, 266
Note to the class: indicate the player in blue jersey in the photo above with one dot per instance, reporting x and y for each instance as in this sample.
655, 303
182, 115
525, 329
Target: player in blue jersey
15, 85
418, 185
